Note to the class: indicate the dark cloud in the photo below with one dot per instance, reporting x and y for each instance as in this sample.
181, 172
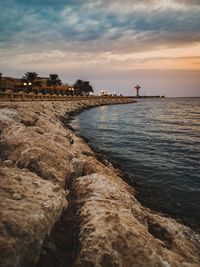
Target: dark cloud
74, 25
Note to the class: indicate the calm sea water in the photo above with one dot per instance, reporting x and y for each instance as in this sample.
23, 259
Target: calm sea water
157, 143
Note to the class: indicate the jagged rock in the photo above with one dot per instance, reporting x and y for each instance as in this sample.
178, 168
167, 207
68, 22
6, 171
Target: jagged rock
27, 214
80, 147
42, 154
7, 116
114, 229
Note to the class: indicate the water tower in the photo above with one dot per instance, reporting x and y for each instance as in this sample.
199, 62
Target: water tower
137, 87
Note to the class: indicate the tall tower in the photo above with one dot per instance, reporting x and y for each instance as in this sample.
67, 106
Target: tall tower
137, 87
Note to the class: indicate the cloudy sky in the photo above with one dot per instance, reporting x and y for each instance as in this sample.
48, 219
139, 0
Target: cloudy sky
114, 44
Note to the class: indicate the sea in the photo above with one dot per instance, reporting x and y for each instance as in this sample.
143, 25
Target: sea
156, 143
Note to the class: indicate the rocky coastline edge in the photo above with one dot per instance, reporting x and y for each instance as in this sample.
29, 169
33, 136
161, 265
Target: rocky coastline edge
61, 206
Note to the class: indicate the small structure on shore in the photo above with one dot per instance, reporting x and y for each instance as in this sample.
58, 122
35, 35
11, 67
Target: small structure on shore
137, 87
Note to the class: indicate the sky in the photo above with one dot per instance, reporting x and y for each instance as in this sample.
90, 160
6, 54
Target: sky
113, 44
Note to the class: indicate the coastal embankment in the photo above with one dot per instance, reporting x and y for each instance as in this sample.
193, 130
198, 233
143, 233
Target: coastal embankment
60, 206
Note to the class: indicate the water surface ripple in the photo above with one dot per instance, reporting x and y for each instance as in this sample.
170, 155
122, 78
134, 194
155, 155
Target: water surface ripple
157, 143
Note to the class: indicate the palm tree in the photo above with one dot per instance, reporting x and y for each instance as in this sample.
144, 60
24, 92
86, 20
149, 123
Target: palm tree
54, 80
30, 80
89, 89
77, 86
83, 86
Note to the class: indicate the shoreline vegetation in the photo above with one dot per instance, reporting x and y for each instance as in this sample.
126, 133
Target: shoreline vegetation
61, 206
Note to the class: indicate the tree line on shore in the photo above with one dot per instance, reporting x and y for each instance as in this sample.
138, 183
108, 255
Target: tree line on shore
31, 80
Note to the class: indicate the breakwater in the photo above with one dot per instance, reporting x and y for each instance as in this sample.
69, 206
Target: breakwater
59, 203
10, 96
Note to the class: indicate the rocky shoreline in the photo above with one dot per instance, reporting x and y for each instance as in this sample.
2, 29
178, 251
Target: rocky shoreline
60, 206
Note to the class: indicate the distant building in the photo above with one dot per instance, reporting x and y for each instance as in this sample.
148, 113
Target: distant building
16, 85
9, 83
104, 92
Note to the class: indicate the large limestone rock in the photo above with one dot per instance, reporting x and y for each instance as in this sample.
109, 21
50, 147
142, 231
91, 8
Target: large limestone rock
44, 153
7, 116
116, 231
29, 206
